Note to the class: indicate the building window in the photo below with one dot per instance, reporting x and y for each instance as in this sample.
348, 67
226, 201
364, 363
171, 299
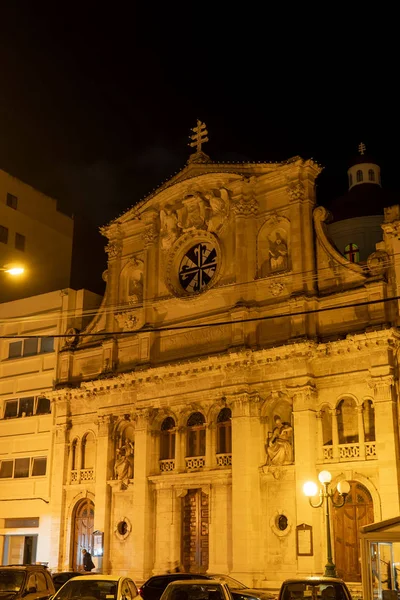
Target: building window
26, 407
12, 201
196, 435
20, 241
3, 234
347, 421
88, 451
326, 417
352, 253
19, 468
29, 347
167, 442
359, 176
371, 175
369, 420
224, 431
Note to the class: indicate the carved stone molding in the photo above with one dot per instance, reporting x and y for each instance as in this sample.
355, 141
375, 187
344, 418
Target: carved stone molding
382, 386
149, 235
114, 249
296, 191
62, 430
276, 288
245, 207
391, 229
105, 424
378, 262
244, 404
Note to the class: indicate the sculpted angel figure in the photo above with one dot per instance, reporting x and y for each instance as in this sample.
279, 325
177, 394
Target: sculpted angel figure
219, 209
169, 227
279, 446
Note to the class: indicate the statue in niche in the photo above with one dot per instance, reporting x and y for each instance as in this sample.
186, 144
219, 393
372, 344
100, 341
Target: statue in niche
277, 253
123, 467
279, 446
170, 228
219, 206
135, 284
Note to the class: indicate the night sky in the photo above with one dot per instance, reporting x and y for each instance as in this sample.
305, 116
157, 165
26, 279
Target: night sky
96, 104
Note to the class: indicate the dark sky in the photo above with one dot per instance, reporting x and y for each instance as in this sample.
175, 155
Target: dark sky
96, 103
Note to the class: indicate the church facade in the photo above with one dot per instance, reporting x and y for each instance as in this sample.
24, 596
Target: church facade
237, 353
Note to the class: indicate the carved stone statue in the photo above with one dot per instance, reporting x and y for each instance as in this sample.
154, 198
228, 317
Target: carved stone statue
219, 207
279, 446
278, 253
169, 231
193, 214
124, 461
135, 284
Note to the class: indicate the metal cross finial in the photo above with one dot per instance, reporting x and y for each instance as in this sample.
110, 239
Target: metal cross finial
199, 137
361, 148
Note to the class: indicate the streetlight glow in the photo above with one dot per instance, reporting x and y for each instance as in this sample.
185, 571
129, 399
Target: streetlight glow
325, 477
310, 489
15, 271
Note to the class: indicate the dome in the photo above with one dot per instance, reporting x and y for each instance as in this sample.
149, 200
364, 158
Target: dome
361, 201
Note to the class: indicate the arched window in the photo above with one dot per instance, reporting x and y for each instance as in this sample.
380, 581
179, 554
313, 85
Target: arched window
371, 175
88, 451
224, 431
74, 457
196, 435
352, 253
359, 176
167, 443
369, 420
326, 417
347, 421
350, 179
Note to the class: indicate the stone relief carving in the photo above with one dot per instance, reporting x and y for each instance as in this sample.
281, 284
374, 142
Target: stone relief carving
130, 320
278, 252
273, 255
114, 249
296, 191
276, 288
169, 231
149, 235
279, 444
219, 207
135, 283
378, 262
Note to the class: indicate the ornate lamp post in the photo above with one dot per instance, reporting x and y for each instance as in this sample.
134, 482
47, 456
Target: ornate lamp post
310, 489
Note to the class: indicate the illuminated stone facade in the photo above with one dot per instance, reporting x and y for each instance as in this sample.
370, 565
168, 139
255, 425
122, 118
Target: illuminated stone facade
253, 355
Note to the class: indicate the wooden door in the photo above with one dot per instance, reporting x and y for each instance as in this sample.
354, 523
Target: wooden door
195, 532
82, 532
358, 511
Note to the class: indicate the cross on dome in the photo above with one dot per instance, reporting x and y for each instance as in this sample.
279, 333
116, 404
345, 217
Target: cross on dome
362, 148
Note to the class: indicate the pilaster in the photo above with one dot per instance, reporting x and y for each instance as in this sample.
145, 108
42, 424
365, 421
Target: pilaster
245, 208
220, 549
114, 251
58, 478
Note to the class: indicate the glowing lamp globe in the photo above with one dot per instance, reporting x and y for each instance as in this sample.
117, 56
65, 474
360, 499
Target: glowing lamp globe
343, 487
15, 270
325, 477
310, 489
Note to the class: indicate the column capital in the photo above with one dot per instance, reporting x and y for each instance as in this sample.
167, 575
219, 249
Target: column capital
304, 396
62, 430
104, 423
114, 249
382, 386
143, 417
244, 403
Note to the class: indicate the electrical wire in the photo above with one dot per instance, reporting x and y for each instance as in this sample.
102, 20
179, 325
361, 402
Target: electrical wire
151, 329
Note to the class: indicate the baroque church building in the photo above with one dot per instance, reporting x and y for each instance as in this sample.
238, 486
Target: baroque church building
244, 344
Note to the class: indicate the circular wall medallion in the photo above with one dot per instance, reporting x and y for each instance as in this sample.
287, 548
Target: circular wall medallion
193, 264
281, 523
123, 528
198, 267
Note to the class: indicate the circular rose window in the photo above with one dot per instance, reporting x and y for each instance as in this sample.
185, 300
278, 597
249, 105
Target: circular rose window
197, 267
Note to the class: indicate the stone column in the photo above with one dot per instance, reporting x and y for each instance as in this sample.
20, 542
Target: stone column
104, 464
361, 432
220, 538
114, 251
335, 436
57, 507
142, 506
246, 501
210, 446
163, 527
180, 449
320, 438
305, 428
150, 275
387, 443
245, 208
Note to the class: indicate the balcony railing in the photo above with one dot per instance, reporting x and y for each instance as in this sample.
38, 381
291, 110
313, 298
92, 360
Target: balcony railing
224, 460
78, 475
167, 465
347, 452
193, 463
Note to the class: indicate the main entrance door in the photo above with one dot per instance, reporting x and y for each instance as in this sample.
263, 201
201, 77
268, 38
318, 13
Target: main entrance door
195, 532
82, 532
358, 511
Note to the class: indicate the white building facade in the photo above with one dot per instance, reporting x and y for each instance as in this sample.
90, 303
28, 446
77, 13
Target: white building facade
236, 354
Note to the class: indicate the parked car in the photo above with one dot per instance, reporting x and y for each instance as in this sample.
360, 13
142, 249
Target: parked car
60, 578
98, 587
29, 582
314, 588
153, 588
196, 589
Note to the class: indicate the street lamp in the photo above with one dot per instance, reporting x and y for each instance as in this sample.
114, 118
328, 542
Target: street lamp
310, 489
12, 270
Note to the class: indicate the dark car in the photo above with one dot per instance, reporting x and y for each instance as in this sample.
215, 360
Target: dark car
30, 582
314, 588
60, 578
153, 588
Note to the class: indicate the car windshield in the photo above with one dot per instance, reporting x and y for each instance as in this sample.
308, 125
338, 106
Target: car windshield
92, 589
194, 591
233, 584
11, 581
314, 591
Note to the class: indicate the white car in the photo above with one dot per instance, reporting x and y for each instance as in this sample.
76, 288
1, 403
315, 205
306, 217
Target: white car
196, 589
97, 587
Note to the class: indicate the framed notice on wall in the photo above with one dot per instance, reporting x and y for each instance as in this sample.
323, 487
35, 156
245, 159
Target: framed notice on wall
304, 540
98, 542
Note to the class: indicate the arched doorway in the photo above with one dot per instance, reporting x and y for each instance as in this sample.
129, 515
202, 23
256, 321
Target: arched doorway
194, 557
82, 531
357, 511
